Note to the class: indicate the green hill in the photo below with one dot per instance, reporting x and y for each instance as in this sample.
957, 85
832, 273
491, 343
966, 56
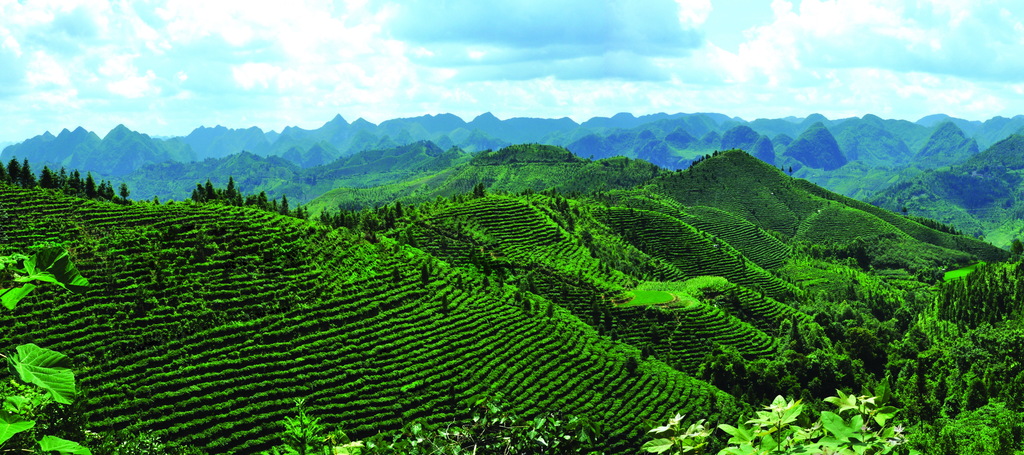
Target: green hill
773, 201
816, 148
204, 322
512, 169
979, 196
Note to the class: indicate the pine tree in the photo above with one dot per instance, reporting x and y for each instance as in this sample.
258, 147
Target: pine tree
27, 178
284, 205
209, 191
47, 179
90, 186
14, 171
124, 191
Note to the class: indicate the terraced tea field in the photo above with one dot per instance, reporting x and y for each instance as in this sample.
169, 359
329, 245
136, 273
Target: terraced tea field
205, 322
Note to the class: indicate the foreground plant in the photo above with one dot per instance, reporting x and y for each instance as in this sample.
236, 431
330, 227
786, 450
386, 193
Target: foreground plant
48, 371
859, 426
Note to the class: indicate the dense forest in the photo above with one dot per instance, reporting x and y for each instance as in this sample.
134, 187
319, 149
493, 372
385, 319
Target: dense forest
589, 299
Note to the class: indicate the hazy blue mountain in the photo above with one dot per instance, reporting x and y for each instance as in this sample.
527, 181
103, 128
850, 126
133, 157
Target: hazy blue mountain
947, 145
868, 140
119, 152
622, 120
764, 150
739, 137
219, 141
817, 148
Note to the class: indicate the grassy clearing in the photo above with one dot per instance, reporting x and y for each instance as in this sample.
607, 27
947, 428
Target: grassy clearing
961, 272
677, 293
641, 298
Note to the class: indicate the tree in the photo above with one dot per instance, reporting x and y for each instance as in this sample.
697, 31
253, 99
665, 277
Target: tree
124, 192
27, 178
1016, 247
47, 179
14, 170
90, 186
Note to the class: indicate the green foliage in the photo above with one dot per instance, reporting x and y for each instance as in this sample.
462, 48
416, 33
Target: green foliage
783, 427
48, 370
673, 437
49, 264
490, 429
206, 318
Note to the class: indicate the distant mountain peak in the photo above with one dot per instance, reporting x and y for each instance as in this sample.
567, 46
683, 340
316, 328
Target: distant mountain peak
485, 117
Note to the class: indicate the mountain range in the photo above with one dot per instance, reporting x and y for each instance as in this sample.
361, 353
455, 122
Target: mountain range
858, 157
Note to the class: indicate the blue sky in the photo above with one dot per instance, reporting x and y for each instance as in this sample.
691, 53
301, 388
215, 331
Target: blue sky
167, 67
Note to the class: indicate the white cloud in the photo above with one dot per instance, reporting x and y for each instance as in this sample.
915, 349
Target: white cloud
44, 70
693, 13
176, 64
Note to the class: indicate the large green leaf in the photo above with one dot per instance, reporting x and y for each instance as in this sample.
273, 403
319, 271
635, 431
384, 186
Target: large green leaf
11, 296
835, 424
51, 264
12, 424
55, 444
48, 369
660, 445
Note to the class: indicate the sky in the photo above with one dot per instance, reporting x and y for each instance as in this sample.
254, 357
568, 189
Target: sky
165, 67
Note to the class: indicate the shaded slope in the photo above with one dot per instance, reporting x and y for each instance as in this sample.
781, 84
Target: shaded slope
817, 148
980, 196
947, 145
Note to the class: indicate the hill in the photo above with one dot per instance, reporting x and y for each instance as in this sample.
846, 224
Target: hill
519, 168
226, 312
279, 176
979, 196
801, 211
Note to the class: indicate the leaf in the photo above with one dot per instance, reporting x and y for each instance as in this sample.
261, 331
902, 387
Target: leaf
741, 435
660, 445
52, 264
48, 369
884, 413
55, 444
12, 424
10, 297
835, 424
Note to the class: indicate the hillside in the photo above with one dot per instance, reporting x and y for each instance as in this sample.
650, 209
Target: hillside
702, 292
879, 151
515, 169
980, 196
800, 211
223, 312
280, 176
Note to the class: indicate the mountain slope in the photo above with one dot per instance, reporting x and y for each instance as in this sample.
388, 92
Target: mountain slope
204, 322
979, 196
791, 207
516, 168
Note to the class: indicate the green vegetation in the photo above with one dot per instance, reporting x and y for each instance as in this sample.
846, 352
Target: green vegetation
29, 414
858, 426
206, 320
961, 272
